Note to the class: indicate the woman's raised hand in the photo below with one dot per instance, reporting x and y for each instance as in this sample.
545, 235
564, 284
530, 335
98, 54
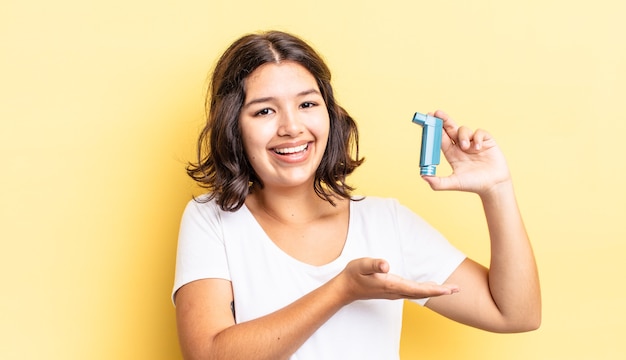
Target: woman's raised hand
477, 163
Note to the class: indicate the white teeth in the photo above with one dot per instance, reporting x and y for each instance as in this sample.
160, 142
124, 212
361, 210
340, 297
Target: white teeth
292, 150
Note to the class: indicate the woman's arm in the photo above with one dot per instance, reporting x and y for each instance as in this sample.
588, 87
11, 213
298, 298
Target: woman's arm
506, 297
207, 329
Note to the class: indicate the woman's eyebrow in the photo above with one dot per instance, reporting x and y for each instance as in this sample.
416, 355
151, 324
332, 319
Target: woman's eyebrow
309, 92
271, 98
258, 100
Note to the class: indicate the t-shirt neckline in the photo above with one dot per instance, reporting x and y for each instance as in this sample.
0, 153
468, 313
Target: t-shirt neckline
267, 241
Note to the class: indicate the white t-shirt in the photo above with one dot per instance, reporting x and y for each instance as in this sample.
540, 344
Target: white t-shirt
233, 246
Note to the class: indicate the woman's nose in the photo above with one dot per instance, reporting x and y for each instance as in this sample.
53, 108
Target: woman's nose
290, 124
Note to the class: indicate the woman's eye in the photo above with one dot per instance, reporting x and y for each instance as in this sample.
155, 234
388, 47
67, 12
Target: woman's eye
307, 104
262, 112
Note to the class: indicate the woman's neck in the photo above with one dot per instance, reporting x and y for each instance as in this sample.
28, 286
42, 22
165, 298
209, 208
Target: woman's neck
292, 206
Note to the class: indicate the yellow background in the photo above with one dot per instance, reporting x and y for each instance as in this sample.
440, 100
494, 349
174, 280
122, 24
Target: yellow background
101, 103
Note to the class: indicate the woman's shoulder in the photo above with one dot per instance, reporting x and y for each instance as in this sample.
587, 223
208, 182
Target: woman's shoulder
202, 202
374, 200
375, 204
205, 210
206, 205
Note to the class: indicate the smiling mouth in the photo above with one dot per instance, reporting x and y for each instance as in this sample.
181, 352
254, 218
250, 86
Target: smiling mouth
292, 150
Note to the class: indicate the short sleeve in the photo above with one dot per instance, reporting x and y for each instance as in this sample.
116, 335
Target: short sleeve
201, 252
427, 254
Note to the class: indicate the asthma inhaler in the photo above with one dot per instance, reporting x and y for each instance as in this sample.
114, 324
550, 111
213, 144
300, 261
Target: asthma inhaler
432, 128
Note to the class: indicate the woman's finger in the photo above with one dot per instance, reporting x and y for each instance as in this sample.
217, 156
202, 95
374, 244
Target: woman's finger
449, 126
480, 138
464, 137
369, 266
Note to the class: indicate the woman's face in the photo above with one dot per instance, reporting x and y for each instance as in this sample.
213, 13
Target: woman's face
284, 123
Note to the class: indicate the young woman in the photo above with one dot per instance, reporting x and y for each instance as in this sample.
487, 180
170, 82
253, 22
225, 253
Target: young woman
278, 260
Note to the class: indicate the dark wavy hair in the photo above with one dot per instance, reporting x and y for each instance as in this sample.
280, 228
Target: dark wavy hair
222, 166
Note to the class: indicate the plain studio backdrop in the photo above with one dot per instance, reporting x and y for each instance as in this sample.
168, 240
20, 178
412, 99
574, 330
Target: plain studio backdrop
101, 103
